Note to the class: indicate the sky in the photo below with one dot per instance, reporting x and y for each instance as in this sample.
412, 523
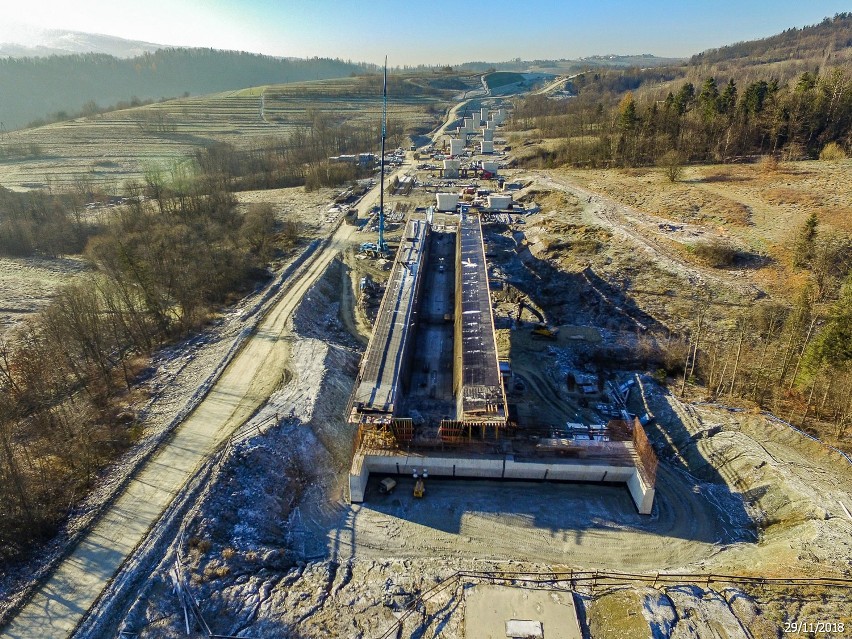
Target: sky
426, 32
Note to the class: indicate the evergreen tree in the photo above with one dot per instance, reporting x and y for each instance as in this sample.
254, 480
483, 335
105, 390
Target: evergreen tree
803, 251
833, 346
627, 117
728, 99
684, 99
708, 100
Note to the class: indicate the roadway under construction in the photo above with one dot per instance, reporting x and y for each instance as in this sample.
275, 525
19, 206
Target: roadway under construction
430, 394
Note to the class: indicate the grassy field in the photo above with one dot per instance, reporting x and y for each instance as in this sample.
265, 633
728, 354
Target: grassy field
112, 147
756, 209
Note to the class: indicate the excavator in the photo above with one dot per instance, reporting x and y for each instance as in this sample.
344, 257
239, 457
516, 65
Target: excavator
541, 330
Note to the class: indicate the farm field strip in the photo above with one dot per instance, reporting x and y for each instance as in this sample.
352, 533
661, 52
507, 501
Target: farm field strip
113, 147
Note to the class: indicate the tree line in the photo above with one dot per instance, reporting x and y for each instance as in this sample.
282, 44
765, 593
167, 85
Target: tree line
38, 222
793, 361
711, 122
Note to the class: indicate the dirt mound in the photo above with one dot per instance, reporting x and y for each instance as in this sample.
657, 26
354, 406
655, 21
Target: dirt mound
796, 491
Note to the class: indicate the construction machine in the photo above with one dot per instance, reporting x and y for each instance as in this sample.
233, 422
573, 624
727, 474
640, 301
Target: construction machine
387, 485
420, 483
419, 488
523, 303
541, 330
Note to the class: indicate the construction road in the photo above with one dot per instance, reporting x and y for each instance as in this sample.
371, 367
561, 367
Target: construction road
62, 602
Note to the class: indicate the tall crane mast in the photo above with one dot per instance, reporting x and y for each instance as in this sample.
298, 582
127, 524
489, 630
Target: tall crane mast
382, 246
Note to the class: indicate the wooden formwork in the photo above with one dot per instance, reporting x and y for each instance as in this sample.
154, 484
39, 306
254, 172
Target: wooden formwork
403, 429
459, 432
647, 457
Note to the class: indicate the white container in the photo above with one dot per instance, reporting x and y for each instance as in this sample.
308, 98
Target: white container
448, 201
499, 202
491, 124
491, 167
456, 146
488, 134
483, 114
486, 146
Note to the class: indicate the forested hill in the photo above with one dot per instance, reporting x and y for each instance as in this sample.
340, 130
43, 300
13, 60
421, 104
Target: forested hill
828, 43
39, 88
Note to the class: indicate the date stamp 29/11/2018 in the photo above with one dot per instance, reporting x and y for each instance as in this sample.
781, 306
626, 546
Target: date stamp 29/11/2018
814, 627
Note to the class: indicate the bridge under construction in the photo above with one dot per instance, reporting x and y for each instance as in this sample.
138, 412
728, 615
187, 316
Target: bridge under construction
430, 394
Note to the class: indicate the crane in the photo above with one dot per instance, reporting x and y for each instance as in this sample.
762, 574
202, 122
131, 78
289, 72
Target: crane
382, 246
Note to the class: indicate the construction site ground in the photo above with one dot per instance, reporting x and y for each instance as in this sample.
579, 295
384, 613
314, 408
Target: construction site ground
268, 544
738, 494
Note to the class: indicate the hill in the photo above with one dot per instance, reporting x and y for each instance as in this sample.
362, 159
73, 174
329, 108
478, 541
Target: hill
567, 66
57, 87
787, 54
269, 122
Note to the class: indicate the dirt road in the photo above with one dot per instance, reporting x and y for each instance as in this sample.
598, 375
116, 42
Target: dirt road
255, 372
630, 223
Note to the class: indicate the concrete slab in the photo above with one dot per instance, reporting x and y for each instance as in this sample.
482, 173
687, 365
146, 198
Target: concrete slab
492, 612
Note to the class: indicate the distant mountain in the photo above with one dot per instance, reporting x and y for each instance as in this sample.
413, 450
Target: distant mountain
29, 41
59, 86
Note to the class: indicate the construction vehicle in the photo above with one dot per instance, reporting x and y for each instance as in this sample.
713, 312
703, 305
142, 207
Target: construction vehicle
419, 488
523, 303
371, 249
541, 330
420, 483
387, 485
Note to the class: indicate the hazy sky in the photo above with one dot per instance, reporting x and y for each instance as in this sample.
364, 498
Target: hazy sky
429, 31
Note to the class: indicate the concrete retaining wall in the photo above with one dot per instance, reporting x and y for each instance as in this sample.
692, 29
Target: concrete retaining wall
500, 468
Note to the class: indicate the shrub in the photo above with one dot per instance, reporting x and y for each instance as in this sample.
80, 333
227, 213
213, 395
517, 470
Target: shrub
672, 164
716, 253
768, 164
832, 152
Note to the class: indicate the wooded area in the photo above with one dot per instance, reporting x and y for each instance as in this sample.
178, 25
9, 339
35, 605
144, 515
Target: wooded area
713, 122
165, 261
